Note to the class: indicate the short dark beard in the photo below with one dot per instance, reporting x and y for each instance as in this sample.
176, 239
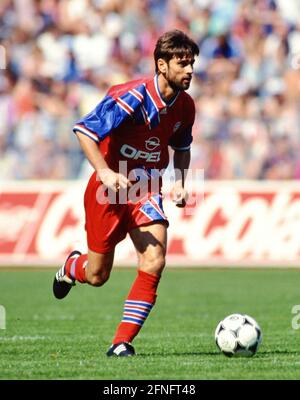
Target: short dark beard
175, 87
172, 84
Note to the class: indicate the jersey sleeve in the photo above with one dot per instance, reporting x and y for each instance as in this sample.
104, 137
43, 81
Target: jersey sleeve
181, 139
107, 116
122, 102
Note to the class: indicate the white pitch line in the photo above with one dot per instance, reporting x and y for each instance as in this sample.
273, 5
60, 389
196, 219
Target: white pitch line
17, 337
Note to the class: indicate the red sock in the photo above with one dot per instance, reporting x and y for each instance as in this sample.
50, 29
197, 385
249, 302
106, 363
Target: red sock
140, 300
75, 268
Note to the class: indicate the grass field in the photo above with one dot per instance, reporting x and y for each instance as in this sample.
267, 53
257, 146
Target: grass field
49, 339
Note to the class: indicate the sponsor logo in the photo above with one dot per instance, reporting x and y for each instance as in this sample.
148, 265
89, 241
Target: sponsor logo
152, 143
135, 154
177, 126
242, 223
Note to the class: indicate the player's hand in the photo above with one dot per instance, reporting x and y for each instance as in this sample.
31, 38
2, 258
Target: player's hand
113, 180
179, 196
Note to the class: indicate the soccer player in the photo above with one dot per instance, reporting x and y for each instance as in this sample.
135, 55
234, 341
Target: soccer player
133, 126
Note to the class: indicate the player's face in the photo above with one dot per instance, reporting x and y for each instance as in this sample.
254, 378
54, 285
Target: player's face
179, 72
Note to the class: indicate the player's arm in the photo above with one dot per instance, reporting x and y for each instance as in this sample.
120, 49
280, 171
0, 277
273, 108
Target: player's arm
180, 142
111, 179
92, 129
181, 161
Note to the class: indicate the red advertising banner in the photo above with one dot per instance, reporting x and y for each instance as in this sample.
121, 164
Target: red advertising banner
235, 223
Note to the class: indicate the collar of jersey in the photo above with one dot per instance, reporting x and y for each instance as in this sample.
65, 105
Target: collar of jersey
170, 102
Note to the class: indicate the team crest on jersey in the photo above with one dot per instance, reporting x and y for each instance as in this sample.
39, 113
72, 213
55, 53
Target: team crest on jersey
176, 126
163, 111
152, 143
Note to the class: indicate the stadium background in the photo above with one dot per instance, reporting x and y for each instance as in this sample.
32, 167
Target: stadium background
58, 60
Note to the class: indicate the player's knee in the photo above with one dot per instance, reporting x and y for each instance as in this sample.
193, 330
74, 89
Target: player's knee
153, 264
159, 263
99, 279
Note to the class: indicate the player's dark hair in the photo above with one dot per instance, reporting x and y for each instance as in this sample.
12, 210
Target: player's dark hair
174, 43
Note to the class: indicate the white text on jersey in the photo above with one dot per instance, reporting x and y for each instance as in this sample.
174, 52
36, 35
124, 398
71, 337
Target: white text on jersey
135, 154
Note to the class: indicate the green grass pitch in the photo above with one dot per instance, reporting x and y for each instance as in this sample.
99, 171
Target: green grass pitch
50, 339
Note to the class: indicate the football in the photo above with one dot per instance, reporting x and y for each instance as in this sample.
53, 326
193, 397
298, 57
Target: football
238, 335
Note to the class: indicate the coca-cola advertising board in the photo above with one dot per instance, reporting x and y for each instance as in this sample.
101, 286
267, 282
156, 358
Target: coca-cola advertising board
234, 223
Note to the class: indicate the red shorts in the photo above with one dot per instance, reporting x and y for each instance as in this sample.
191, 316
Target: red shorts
107, 224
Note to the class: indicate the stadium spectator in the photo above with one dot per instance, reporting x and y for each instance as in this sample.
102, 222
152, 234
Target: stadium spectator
246, 86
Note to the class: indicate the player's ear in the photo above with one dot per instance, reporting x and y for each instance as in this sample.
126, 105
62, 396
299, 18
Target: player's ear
162, 66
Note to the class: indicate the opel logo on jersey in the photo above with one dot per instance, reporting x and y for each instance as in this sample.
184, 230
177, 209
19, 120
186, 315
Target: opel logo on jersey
152, 143
136, 154
176, 126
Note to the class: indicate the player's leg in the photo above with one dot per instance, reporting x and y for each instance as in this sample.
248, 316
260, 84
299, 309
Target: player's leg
103, 233
92, 268
150, 242
98, 267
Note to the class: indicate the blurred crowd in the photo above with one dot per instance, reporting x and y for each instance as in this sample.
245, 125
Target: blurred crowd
59, 57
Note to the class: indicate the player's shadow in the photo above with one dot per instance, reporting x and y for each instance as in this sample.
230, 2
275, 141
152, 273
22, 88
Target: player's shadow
142, 240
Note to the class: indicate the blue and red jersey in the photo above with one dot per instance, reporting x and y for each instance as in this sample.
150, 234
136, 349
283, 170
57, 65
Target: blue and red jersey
134, 124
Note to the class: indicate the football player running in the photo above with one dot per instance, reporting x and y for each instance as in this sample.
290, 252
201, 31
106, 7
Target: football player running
133, 126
